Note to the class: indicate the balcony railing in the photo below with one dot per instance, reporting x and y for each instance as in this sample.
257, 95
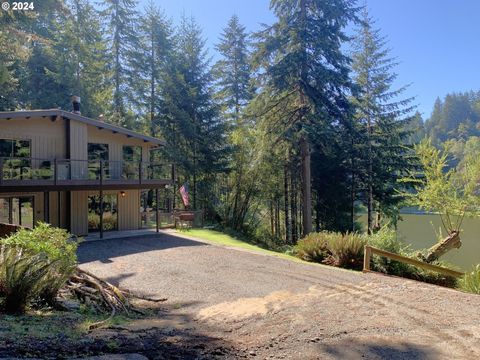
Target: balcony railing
22, 170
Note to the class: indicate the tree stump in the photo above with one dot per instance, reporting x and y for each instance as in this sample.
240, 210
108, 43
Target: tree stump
452, 241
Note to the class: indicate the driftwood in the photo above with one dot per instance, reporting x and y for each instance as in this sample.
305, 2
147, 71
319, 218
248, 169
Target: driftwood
101, 295
452, 241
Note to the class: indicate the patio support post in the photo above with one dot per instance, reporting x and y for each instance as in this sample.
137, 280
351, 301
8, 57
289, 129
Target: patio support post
59, 208
101, 199
173, 187
55, 171
157, 215
1, 171
46, 207
10, 210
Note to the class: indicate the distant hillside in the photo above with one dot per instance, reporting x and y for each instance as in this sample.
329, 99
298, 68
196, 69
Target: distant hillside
456, 117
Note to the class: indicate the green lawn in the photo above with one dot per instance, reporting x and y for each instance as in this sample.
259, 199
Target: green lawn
220, 238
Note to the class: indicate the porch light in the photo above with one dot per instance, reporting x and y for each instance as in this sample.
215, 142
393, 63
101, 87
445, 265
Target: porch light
122, 193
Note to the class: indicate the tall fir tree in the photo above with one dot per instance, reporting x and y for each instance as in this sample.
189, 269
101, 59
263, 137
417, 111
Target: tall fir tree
382, 117
234, 90
191, 123
150, 61
306, 75
120, 17
233, 71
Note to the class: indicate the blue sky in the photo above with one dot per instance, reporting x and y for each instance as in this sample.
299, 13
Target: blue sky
437, 42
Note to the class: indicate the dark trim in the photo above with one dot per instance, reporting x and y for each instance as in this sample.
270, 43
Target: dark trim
157, 216
46, 207
59, 207
101, 213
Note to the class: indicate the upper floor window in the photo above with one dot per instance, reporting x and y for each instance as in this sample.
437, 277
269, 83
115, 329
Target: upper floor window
132, 153
14, 148
97, 151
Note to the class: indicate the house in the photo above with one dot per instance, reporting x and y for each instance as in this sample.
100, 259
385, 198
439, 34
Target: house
78, 173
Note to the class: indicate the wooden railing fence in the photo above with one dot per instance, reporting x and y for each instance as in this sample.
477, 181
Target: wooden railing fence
369, 251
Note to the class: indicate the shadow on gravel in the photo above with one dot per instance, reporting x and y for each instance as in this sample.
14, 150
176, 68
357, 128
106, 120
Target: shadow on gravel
350, 349
163, 335
105, 250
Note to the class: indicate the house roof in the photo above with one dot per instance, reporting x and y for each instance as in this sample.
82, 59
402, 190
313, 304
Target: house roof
7, 115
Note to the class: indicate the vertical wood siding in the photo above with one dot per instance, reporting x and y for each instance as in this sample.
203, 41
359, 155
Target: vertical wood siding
129, 210
79, 214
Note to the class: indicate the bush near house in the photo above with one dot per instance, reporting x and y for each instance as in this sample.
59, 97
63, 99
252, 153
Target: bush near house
34, 265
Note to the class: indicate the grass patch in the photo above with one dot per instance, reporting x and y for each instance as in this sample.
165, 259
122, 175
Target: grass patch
44, 325
220, 238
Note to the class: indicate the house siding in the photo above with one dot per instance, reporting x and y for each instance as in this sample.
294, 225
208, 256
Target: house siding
49, 141
47, 137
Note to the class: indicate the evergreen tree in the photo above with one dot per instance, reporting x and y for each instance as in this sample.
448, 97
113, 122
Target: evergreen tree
18, 31
120, 16
382, 117
305, 76
150, 61
190, 120
234, 91
233, 70
71, 62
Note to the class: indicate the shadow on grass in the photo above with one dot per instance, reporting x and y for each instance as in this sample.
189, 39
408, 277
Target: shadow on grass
161, 335
378, 349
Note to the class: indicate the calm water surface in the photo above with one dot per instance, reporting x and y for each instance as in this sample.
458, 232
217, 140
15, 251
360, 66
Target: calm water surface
420, 230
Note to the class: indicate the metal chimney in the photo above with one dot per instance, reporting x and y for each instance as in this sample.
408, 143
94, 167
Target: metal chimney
76, 104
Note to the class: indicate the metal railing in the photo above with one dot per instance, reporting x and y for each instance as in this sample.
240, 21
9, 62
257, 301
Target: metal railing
60, 170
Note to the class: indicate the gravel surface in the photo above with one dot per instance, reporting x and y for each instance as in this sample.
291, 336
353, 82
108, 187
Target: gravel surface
251, 305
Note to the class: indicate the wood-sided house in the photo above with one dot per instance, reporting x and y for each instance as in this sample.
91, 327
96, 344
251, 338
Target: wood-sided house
77, 173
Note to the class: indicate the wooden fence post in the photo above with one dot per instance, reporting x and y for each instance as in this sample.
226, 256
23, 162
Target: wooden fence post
367, 254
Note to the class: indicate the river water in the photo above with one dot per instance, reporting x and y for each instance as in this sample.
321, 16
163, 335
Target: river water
420, 231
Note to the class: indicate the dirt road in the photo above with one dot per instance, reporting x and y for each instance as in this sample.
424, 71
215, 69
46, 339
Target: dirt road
230, 303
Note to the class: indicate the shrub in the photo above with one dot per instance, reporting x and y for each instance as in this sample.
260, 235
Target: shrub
336, 249
24, 277
313, 247
93, 221
46, 248
471, 281
346, 250
386, 239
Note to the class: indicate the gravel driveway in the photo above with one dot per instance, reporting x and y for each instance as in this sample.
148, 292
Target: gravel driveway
267, 307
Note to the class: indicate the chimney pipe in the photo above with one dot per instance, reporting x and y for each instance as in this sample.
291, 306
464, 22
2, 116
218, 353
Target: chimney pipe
76, 104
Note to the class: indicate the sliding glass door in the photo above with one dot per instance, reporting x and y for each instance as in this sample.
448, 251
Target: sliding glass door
110, 212
17, 211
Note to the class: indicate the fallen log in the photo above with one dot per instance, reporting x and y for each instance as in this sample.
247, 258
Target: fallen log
452, 241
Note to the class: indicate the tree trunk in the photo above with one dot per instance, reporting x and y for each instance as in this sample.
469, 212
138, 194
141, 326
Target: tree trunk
286, 198
307, 188
352, 189
452, 241
293, 205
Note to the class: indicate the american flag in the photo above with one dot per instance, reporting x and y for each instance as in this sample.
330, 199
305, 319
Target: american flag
184, 193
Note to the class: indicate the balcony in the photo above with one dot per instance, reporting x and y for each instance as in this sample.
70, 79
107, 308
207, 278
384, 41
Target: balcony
31, 174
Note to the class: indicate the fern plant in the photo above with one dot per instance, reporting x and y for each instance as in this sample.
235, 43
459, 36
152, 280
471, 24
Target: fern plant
24, 277
471, 281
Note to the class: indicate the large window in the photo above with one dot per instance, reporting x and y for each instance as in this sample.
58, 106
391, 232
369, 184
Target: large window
17, 211
14, 148
132, 156
132, 153
12, 151
109, 212
97, 152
